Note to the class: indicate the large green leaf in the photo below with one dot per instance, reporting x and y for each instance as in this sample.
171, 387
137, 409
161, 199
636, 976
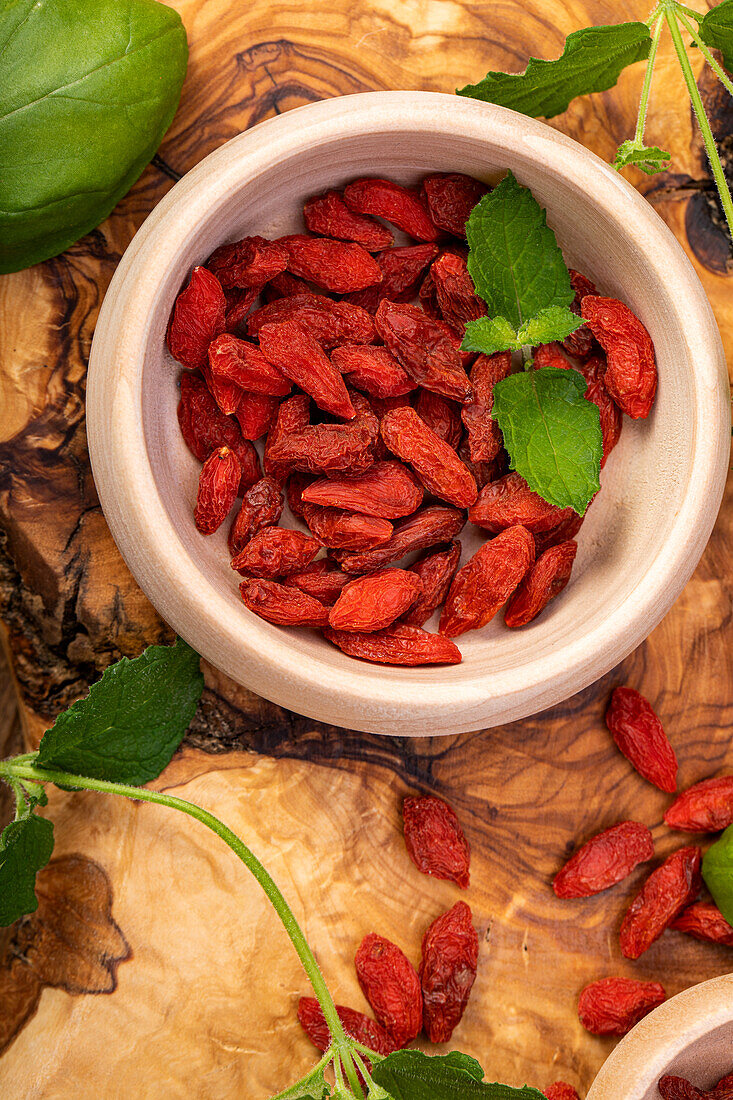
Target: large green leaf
25, 847
716, 31
412, 1075
717, 870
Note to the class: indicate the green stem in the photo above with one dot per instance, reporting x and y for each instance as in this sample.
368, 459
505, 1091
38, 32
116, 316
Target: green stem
688, 11
647, 85
12, 770
717, 69
707, 134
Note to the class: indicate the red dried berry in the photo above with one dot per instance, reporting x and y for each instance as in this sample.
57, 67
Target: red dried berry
390, 983
226, 394
275, 552
205, 428
551, 355
290, 348
564, 532
397, 645
262, 506
402, 269
329, 215
705, 922
679, 1088
610, 415
487, 581
613, 1006
436, 570
604, 860
451, 198
509, 501
581, 342
484, 438
321, 579
631, 377
244, 364
239, 303
427, 527
387, 489
337, 266
561, 1090
706, 807
374, 602
218, 485
639, 735
434, 461
441, 415
668, 890
292, 417
435, 841
545, 580
330, 323
256, 413
247, 263
426, 351
346, 530
356, 1025
372, 369
448, 971
401, 206
284, 285
198, 317
326, 448
281, 605
455, 293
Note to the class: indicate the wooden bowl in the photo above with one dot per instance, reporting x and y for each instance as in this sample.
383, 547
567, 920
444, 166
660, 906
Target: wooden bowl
661, 487
689, 1036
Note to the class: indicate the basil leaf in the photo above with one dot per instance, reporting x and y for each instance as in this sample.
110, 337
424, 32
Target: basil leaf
88, 88
717, 871
650, 158
716, 31
25, 847
592, 61
132, 721
552, 434
412, 1075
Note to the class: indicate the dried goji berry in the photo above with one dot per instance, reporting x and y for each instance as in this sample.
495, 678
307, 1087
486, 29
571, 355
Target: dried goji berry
545, 580
679, 1088
435, 841
402, 269
434, 461
329, 215
561, 1090
429, 526
227, 394
484, 438
244, 364
330, 323
375, 601
451, 198
668, 890
247, 263
275, 552
436, 570
705, 922
401, 206
397, 645
425, 350
631, 377
262, 506
441, 415
239, 303
326, 448
428, 297
580, 343
356, 1024
454, 291
448, 971
564, 532
292, 416
205, 428
372, 369
346, 530
604, 860
299, 356
610, 415
338, 266
724, 1083
707, 807
282, 605
295, 486
551, 355
321, 579
639, 735
218, 485
487, 581
198, 317
256, 414
510, 501
284, 285
613, 1006
390, 983
387, 489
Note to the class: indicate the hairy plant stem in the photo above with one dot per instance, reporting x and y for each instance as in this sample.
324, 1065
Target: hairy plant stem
717, 69
647, 85
13, 771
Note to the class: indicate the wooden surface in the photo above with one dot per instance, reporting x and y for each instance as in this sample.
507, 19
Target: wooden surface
195, 984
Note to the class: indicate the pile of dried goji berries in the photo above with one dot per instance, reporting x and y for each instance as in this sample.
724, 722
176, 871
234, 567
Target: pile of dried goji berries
387, 446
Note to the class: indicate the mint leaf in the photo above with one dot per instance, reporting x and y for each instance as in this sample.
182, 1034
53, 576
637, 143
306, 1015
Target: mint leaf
552, 434
592, 61
717, 870
132, 721
25, 847
488, 336
553, 323
716, 31
412, 1075
463, 1061
650, 158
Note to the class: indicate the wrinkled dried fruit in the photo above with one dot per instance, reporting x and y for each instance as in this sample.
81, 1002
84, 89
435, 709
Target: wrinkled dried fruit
610, 415
604, 860
387, 489
441, 415
451, 198
580, 343
631, 377
424, 348
374, 602
326, 448
509, 501
329, 215
356, 1024
275, 552
321, 579
401, 206
397, 645
436, 570
247, 263
431, 525
198, 317
545, 580
705, 922
226, 394
454, 291
435, 841
290, 348
295, 486
402, 269
243, 363
218, 485
705, 808
564, 532
330, 323
292, 417
487, 581
551, 355
484, 437
434, 461
262, 506
346, 530
256, 413
205, 428
613, 1006
390, 983
239, 303
448, 971
372, 369
639, 735
282, 605
561, 1090
668, 890
679, 1088
338, 266
284, 285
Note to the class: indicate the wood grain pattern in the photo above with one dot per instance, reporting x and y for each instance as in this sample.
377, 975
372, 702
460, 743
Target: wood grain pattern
206, 984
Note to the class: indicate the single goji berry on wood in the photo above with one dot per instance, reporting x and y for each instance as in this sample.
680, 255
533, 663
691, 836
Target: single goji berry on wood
546, 579
247, 263
429, 526
435, 841
457, 300
509, 501
613, 1006
299, 356
198, 316
387, 489
436, 569
204, 428
372, 369
402, 269
448, 971
679, 1088
338, 266
281, 605
433, 460
218, 486
441, 415
244, 364
329, 215
639, 735
321, 579
561, 1090
426, 351
451, 198
326, 448
239, 303
487, 581
375, 601
631, 377
346, 530
581, 342
355, 1024
564, 532
604, 860
262, 506
705, 922
275, 552
707, 807
398, 205
668, 890
484, 437
397, 645
256, 413
330, 323
390, 983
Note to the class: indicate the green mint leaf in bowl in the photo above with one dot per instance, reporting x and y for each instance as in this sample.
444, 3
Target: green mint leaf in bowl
88, 88
25, 847
717, 871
